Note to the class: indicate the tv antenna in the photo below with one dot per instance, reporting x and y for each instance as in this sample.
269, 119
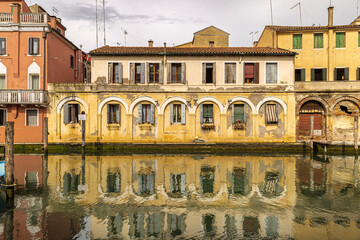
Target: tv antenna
299, 4
104, 22
55, 11
271, 13
257, 35
97, 27
252, 37
125, 33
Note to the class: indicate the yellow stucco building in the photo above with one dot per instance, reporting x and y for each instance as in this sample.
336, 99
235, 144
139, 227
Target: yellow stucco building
179, 95
326, 77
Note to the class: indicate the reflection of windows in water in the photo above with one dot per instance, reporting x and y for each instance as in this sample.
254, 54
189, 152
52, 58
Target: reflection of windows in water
230, 227
31, 180
155, 225
137, 229
239, 181
113, 182
33, 218
114, 225
271, 188
207, 179
176, 224
177, 184
251, 227
146, 184
208, 222
272, 227
71, 183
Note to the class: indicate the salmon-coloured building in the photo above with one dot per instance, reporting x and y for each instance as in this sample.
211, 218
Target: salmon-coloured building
33, 52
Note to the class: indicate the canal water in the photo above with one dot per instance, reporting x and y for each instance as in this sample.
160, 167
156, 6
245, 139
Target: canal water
183, 197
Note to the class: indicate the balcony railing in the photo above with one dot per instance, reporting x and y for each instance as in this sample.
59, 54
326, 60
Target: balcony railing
25, 18
23, 97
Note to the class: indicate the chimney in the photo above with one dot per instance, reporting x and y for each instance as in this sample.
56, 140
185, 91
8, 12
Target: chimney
15, 9
331, 16
151, 43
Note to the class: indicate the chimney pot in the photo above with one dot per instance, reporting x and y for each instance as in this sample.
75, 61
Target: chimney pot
151, 43
164, 44
331, 16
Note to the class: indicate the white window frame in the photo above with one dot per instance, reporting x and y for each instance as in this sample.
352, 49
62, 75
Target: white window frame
165, 82
107, 70
39, 55
129, 71
278, 72
201, 72
236, 73
243, 72
37, 115
34, 68
314, 41
6, 47
5, 116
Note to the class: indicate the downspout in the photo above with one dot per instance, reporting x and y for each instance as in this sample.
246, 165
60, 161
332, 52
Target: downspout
44, 70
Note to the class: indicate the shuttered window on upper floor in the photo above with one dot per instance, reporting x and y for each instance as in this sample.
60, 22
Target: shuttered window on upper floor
176, 73
300, 75
230, 72
297, 41
341, 74
340, 40
318, 40
251, 73
318, 74
115, 72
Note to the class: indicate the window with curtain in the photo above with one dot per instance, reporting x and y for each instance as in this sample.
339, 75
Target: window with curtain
31, 118
318, 40
113, 113
230, 72
271, 73
340, 40
71, 113
34, 46
297, 41
2, 81
34, 81
272, 115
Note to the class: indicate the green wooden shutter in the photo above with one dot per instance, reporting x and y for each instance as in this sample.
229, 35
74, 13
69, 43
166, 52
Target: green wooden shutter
357, 74
324, 73
335, 75
346, 77
312, 74
303, 75
297, 41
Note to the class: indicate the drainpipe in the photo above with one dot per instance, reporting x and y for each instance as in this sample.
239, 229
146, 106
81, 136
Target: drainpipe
44, 70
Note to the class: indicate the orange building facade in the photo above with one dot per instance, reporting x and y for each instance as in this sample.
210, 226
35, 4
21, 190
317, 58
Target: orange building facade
33, 52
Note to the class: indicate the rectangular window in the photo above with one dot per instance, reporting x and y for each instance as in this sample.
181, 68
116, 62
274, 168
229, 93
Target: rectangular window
208, 73
113, 113
115, 73
318, 74
340, 40
251, 73
271, 73
211, 44
300, 75
146, 184
138, 72
176, 73
230, 72
297, 41
31, 117
177, 183
72, 61
34, 46
34, 81
31, 180
2, 117
2, 81
318, 40
207, 179
341, 74
146, 114
208, 113
239, 115
176, 113
71, 113
154, 70
113, 182
2, 46
271, 115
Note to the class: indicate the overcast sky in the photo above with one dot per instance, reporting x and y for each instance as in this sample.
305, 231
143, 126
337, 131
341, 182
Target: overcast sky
175, 22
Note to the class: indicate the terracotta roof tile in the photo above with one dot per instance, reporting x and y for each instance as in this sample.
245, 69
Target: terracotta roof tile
108, 50
304, 28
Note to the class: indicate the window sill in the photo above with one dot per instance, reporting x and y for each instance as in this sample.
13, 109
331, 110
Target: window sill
208, 126
145, 126
4, 55
239, 126
340, 48
33, 55
113, 125
318, 48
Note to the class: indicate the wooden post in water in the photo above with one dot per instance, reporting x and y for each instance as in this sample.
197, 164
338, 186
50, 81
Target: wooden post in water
9, 159
46, 134
311, 135
356, 133
83, 135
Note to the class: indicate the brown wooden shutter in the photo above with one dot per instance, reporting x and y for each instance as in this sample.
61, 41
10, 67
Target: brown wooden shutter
168, 73
256, 73
203, 73
110, 77
214, 73
132, 73
183, 73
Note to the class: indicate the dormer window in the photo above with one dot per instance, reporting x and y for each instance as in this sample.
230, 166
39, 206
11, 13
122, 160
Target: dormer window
211, 44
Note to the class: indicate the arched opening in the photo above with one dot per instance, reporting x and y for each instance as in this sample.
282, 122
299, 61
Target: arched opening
343, 120
308, 110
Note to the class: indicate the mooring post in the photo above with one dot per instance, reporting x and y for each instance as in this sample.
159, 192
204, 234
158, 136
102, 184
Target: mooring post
356, 133
46, 134
9, 159
311, 135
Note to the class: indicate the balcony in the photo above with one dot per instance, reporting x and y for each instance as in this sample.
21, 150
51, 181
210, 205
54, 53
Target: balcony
25, 18
23, 97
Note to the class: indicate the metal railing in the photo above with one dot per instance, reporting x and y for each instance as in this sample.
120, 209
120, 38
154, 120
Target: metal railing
33, 18
6, 17
23, 97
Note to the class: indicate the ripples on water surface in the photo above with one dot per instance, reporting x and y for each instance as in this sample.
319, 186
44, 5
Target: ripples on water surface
184, 197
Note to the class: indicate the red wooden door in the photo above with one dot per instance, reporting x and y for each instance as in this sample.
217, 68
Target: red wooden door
305, 123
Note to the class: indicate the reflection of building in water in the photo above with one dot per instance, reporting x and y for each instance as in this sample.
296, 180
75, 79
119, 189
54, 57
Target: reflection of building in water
28, 171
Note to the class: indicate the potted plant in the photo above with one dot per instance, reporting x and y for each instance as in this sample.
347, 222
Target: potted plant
238, 125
